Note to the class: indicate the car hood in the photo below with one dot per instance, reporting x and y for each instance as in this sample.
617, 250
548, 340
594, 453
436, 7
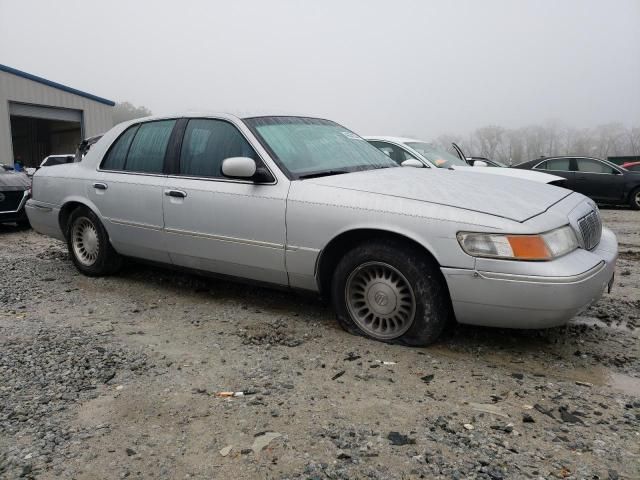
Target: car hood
511, 172
14, 181
508, 197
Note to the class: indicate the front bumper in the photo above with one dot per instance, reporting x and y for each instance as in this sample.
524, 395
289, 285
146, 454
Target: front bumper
550, 295
17, 215
44, 218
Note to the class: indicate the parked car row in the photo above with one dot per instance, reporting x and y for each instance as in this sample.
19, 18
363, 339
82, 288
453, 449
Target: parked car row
598, 179
417, 153
305, 203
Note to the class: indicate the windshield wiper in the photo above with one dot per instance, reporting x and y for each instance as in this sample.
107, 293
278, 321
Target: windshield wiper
324, 173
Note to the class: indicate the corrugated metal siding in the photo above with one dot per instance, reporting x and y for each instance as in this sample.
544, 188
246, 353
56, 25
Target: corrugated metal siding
97, 117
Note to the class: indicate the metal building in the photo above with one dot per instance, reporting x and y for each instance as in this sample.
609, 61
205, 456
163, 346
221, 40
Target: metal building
39, 117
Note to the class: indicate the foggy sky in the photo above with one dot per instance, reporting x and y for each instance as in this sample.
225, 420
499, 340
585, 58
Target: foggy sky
419, 68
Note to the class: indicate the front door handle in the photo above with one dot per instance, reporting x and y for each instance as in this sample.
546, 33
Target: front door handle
175, 193
100, 186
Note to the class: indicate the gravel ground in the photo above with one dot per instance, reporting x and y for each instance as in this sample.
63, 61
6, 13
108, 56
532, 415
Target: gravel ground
118, 378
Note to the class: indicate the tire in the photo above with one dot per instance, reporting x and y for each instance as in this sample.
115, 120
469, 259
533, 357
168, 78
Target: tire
374, 285
634, 199
89, 244
24, 223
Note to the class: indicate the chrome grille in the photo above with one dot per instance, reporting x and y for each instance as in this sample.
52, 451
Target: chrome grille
590, 229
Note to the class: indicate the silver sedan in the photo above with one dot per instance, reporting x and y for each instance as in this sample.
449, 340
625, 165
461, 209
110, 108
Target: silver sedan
306, 203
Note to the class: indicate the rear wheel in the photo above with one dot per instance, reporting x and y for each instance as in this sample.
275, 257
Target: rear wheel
89, 244
392, 292
634, 199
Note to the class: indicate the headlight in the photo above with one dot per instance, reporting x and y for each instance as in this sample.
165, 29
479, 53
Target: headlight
545, 246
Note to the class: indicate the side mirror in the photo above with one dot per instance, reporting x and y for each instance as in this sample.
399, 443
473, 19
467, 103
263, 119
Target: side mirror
412, 162
239, 167
480, 163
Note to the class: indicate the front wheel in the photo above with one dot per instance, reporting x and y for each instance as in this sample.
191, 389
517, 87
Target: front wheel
392, 292
89, 244
634, 199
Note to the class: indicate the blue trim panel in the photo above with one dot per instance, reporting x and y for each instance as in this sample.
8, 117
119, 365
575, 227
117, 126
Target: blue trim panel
59, 86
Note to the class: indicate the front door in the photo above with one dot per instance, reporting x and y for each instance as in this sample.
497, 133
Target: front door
221, 225
598, 180
128, 190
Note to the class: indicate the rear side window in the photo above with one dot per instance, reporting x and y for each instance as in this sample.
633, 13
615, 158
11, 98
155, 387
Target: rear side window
118, 153
556, 164
207, 143
149, 145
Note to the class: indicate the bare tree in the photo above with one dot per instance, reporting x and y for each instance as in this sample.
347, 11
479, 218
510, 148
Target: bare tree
519, 145
125, 111
489, 138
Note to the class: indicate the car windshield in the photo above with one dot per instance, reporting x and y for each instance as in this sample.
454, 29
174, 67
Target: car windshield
308, 147
437, 156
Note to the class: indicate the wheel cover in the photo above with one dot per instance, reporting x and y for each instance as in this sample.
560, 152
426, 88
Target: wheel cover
380, 300
637, 199
85, 241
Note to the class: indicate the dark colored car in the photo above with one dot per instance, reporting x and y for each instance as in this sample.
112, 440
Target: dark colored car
15, 190
603, 181
632, 166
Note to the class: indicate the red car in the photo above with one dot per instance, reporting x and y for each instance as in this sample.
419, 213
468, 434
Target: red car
633, 166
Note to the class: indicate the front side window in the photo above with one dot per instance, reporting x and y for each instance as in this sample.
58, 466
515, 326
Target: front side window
306, 147
395, 153
207, 143
587, 165
437, 156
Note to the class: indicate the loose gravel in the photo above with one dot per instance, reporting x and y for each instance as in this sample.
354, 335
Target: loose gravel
158, 374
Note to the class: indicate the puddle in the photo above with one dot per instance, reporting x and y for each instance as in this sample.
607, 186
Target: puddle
602, 376
625, 383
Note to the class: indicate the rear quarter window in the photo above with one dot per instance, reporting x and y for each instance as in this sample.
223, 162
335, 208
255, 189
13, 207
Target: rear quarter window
117, 154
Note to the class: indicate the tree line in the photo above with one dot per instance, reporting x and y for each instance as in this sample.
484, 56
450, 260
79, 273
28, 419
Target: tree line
513, 146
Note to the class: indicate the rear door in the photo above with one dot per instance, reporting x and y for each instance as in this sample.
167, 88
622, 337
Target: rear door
562, 167
598, 180
213, 223
128, 190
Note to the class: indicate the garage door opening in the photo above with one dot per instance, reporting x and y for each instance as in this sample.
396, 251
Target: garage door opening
38, 131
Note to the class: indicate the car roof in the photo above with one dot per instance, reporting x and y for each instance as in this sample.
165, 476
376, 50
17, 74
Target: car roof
243, 115
220, 114
535, 161
391, 139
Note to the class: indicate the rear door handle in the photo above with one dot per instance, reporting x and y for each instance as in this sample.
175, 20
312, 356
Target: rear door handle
175, 193
100, 186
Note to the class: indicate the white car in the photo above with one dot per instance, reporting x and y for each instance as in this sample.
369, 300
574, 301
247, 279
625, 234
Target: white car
57, 160
408, 150
305, 203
